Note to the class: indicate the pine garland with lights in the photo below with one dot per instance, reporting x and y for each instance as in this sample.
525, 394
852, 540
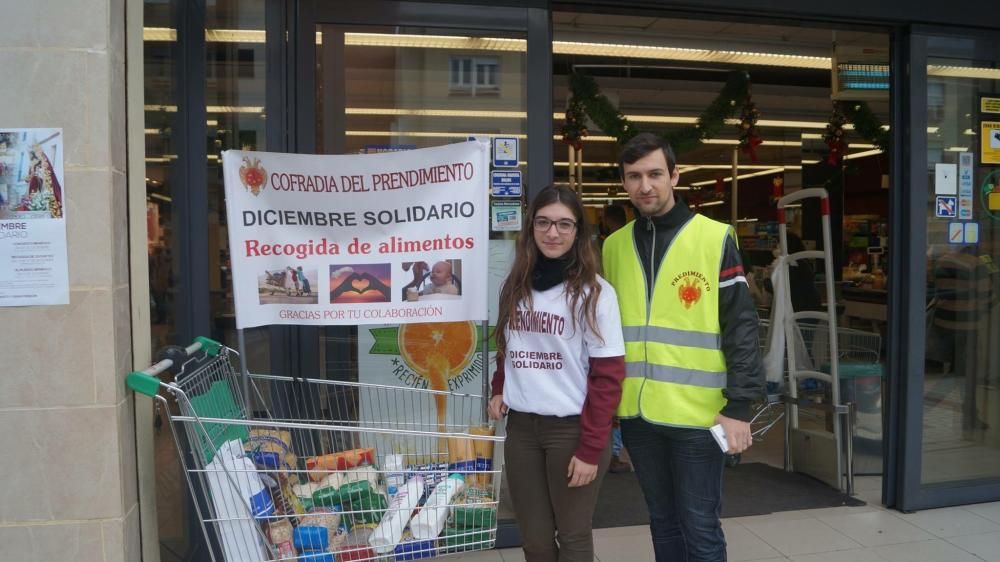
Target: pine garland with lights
835, 136
575, 128
604, 114
866, 124
748, 130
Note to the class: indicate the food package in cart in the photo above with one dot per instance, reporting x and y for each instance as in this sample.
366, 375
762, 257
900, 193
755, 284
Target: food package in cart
271, 449
340, 487
458, 539
432, 474
321, 466
411, 548
279, 533
484, 455
474, 509
366, 507
326, 517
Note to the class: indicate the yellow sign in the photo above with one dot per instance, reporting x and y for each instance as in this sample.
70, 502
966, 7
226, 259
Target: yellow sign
993, 201
989, 105
990, 142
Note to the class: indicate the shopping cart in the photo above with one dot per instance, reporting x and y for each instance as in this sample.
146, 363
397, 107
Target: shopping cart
858, 357
317, 470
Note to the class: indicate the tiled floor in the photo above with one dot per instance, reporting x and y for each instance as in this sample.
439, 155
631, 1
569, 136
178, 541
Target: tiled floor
869, 533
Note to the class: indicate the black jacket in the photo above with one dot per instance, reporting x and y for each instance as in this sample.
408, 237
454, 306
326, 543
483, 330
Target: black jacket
737, 315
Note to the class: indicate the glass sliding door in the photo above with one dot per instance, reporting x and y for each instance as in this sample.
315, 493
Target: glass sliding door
394, 76
952, 427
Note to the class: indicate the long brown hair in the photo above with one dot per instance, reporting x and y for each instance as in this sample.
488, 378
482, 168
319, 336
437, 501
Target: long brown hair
581, 268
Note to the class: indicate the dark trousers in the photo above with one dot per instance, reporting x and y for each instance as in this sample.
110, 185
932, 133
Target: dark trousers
680, 472
536, 455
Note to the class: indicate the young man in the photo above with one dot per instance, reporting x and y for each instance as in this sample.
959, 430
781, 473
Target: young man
692, 359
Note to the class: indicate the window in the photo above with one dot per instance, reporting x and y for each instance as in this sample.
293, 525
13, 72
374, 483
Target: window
474, 76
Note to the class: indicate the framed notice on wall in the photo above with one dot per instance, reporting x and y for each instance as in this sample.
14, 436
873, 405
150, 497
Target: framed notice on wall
33, 258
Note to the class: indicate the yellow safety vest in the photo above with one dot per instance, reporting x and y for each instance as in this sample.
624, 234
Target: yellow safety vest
675, 370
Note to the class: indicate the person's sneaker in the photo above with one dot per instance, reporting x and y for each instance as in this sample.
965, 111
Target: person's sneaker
618, 466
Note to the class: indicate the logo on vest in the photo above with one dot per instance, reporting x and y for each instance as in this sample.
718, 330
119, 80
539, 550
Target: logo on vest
690, 286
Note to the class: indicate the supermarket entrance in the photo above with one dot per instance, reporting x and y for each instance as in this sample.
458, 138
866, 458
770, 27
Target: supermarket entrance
818, 117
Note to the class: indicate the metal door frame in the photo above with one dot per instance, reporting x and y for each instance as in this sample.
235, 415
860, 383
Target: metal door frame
908, 492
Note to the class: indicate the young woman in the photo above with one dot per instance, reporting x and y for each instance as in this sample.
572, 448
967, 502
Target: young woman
560, 363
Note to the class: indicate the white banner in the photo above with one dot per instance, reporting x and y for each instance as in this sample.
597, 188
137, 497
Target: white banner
359, 239
33, 265
435, 356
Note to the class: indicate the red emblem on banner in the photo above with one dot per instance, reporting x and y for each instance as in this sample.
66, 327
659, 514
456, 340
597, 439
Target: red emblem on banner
253, 175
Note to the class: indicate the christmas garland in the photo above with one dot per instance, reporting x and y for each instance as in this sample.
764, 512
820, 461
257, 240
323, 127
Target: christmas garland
748, 130
587, 99
866, 125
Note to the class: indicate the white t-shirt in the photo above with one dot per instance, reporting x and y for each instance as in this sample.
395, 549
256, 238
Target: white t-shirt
548, 358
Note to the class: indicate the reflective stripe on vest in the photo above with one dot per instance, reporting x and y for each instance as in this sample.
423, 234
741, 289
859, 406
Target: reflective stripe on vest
675, 368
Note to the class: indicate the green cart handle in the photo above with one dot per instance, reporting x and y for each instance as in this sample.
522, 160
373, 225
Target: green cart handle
147, 381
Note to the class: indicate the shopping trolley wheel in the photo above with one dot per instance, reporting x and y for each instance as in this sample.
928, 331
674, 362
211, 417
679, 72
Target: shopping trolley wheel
732, 460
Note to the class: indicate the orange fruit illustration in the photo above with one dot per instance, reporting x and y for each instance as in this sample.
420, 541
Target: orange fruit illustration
444, 347
438, 351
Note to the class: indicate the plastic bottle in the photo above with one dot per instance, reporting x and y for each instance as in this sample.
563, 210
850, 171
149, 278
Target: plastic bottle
389, 532
394, 477
431, 519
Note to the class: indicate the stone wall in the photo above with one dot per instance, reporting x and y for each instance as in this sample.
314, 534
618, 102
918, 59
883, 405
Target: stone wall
67, 433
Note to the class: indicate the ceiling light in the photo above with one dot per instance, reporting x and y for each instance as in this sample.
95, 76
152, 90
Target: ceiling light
957, 149
862, 154
963, 72
563, 47
429, 134
686, 54
709, 204
968, 132
770, 170
435, 112
763, 143
484, 114
211, 109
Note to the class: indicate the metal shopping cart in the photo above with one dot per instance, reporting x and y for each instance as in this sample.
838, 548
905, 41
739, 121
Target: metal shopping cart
330, 476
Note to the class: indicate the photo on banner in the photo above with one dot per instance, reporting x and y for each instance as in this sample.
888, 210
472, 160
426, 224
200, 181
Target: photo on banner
358, 239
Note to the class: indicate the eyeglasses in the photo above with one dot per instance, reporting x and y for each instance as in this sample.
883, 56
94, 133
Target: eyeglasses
563, 226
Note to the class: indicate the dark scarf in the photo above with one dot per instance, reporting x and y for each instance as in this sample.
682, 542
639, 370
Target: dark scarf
548, 272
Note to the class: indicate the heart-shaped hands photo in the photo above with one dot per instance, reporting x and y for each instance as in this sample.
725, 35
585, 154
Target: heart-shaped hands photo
360, 283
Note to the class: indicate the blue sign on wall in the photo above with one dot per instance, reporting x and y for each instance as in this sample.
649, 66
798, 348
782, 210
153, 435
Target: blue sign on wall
505, 152
505, 183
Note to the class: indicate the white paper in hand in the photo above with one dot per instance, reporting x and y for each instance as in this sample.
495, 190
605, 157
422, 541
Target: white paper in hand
720, 437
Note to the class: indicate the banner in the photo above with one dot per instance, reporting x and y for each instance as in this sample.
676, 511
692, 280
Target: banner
435, 356
33, 263
359, 239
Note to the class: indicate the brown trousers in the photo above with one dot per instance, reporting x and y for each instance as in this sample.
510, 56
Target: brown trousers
555, 520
